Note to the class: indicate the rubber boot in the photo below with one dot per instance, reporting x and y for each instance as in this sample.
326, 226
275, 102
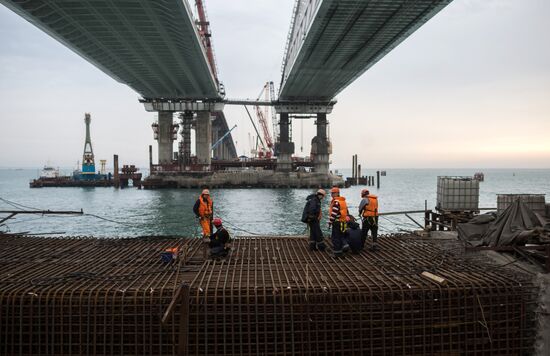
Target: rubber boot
321, 246
312, 246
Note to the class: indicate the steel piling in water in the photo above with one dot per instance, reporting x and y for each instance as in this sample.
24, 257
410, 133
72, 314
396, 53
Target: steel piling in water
271, 296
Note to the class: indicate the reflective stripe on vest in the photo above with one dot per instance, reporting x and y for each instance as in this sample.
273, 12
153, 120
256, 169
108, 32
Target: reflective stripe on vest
343, 208
372, 207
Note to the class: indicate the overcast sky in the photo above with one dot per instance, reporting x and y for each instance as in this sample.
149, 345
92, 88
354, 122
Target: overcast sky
471, 88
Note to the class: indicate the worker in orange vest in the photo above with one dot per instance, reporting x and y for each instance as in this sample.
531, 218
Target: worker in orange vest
368, 210
337, 219
204, 210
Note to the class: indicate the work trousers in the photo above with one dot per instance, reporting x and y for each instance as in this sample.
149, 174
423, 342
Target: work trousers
338, 237
316, 235
370, 223
206, 225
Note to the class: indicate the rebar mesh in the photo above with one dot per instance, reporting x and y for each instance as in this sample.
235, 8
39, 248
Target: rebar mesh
270, 296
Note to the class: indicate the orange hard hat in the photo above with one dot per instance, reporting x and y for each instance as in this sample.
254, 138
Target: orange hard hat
365, 192
335, 190
205, 192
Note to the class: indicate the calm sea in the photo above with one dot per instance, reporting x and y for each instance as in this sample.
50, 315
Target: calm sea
132, 212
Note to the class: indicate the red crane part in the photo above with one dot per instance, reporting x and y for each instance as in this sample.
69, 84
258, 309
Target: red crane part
204, 31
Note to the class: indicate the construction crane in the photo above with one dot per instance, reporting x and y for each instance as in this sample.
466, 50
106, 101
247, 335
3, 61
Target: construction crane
267, 151
273, 113
204, 31
222, 138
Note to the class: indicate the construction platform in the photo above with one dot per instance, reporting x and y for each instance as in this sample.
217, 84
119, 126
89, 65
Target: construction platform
249, 178
271, 296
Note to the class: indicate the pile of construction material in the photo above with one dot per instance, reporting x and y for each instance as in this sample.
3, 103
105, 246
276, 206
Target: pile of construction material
519, 226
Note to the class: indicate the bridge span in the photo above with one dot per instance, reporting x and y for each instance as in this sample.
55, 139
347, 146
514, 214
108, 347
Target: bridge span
163, 53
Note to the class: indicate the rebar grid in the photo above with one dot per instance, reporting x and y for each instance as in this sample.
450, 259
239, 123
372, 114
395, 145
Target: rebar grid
270, 296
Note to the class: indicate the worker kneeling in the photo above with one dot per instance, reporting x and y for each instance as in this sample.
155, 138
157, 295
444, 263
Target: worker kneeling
219, 240
354, 236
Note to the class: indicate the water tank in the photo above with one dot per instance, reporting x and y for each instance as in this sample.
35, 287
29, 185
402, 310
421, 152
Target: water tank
535, 202
457, 194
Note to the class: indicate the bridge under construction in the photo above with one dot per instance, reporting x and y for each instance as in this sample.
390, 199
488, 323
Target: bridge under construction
164, 51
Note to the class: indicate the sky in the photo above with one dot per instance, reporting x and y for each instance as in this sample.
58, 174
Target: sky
470, 89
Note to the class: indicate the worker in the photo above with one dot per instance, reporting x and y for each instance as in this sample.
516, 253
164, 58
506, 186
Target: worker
337, 220
219, 240
354, 235
204, 210
368, 211
312, 215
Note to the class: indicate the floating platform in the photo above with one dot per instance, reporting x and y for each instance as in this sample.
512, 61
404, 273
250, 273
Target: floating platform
270, 296
241, 179
69, 181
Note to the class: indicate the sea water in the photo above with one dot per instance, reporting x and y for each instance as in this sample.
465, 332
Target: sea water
111, 212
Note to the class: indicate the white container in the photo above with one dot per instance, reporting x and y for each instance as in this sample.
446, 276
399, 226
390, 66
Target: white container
535, 202
457, 194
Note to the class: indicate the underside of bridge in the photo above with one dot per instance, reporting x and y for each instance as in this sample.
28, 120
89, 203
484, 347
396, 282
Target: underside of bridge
332, 42
154, 47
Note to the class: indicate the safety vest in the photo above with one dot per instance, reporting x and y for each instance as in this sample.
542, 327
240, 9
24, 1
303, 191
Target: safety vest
343, 208
372, 208
205, 208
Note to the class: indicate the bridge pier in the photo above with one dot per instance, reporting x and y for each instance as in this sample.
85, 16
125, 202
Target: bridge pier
186, 118
320, 146
203, 138
286, 148
165, 137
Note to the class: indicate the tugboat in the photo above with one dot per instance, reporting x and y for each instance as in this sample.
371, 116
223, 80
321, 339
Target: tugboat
49, 172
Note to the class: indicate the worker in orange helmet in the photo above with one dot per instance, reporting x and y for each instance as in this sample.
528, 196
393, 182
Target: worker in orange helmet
337, 220
204, 210
368, 211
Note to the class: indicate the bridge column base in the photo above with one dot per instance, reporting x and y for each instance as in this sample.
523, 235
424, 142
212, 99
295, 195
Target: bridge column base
165, 139
285, 148
203, 138
320, 146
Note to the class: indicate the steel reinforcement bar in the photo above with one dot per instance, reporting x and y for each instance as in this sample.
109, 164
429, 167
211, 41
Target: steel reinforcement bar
270, 296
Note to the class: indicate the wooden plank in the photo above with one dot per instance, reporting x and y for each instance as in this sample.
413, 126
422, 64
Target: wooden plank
434, 278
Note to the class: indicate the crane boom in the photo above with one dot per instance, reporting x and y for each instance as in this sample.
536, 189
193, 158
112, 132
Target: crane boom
262, 119
222, 138
204, 31
273, 113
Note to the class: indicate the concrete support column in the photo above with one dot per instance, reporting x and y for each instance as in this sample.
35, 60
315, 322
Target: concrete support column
286, 148
165, 139
320, 146
203, 138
